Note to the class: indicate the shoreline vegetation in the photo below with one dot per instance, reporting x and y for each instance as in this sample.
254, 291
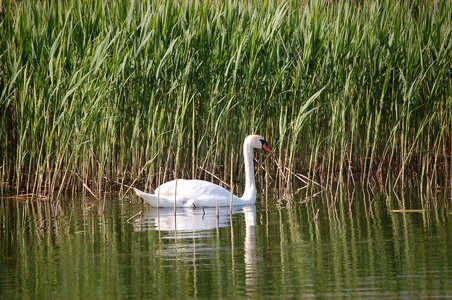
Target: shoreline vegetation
141, 92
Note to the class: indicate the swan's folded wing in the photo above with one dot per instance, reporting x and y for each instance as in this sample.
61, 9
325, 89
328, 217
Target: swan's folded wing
191, 189
168, 188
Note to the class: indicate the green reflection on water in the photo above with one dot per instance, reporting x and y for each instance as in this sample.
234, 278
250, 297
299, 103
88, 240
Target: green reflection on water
94, 249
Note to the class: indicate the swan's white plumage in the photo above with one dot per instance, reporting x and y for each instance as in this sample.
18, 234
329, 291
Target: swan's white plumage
195, 193
200, 193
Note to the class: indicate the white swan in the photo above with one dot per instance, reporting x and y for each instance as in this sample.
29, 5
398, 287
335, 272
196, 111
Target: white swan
199, 193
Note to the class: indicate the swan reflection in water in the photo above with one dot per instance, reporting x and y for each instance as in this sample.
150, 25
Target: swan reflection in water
191, 228
188, 226
189, 222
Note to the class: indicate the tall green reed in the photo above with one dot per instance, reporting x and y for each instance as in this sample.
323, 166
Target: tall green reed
136, 90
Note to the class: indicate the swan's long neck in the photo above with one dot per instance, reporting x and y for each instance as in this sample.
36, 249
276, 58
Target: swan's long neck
250, 185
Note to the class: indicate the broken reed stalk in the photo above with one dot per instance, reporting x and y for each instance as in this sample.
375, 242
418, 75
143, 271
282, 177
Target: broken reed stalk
128, 220
216, 177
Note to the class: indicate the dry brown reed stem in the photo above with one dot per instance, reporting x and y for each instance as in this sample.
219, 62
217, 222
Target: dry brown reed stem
132, 217
85, 186
175, 201
231, 203
216, 177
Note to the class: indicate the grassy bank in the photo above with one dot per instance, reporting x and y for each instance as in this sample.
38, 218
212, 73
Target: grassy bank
345, 93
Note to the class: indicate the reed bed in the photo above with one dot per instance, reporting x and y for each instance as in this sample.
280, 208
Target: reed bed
145, 91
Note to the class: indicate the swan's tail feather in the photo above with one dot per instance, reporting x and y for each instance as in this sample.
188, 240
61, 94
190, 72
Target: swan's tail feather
149, 198
153, 199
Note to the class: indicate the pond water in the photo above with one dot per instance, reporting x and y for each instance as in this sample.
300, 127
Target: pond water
96, 249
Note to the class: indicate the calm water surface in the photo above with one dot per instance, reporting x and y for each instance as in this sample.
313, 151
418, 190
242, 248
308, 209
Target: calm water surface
91, 249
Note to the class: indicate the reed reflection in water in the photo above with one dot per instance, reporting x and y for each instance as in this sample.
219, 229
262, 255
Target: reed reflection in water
86, 249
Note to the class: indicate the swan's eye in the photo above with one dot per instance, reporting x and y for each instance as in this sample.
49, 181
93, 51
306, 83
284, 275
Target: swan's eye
265, 146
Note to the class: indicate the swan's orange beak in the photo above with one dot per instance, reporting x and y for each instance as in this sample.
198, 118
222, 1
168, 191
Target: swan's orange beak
267, 148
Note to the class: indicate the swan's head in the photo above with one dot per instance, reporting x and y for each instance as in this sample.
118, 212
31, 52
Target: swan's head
258, 142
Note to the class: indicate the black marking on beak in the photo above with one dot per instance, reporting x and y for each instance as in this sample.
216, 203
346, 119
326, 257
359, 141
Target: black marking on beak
265, 146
